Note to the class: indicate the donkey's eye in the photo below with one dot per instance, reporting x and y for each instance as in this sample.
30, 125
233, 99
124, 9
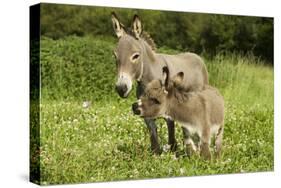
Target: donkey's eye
135, 57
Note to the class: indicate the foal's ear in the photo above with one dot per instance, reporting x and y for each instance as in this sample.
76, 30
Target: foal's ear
137, 27
166, 76
117, 26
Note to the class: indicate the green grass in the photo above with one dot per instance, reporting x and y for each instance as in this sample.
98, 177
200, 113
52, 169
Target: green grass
107, 142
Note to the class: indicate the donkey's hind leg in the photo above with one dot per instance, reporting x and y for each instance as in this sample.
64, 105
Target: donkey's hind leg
155, 147
205, 144
218, 142
171, 133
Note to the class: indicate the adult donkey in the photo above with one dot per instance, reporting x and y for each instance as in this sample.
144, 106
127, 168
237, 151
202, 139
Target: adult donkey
137, 60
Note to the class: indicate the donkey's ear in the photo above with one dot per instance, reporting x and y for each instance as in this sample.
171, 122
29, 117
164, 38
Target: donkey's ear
117, 26
166, 76
137, 27
178, 78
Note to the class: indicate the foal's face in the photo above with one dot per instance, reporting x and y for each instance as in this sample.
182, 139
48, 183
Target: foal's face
153, 103
128, 62
157, 95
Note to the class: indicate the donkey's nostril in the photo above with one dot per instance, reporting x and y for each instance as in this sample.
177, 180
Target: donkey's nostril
121, 90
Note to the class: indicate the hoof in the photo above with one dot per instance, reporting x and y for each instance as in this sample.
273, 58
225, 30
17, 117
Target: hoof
156, 151
205, 152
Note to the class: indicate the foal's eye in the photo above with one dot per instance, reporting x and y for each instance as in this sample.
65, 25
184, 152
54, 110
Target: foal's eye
155, 101
135, 57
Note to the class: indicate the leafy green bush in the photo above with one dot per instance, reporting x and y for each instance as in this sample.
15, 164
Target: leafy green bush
77, 68
200, 33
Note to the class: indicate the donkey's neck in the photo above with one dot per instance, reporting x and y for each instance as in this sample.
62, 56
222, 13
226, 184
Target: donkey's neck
178, 104
152, 65
174, 110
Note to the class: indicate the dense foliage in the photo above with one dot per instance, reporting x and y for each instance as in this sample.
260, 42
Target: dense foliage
80, 68
200, 33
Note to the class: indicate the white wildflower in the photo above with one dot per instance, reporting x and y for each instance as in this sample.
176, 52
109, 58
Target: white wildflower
86, 104
182, 171
166, 147
175, 157
170, 170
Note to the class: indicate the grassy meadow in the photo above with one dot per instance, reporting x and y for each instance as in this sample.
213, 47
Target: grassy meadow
105, 141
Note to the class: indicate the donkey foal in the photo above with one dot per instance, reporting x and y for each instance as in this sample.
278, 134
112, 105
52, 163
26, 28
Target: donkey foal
200, 112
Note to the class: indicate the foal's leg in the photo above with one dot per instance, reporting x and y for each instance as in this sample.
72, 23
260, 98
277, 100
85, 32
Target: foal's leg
218, 141
190, 147
153, 135
171, 132
205, 144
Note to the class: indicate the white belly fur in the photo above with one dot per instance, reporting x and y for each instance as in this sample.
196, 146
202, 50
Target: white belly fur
194, 129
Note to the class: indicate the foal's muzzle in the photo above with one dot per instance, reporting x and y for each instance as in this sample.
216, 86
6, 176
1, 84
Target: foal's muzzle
135, 108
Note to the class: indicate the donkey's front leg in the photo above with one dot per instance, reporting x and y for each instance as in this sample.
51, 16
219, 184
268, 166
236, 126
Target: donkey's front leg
155, 147
171, 132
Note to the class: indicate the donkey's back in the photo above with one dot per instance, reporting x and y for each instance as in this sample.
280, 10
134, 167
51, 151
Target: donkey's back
205, 107
193, 67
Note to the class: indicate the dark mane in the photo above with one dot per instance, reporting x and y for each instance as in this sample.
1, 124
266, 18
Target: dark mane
145, 36
178, 91
182, 95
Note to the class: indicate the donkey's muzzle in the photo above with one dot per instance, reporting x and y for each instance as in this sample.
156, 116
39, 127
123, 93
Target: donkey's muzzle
135, 108
122, 90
